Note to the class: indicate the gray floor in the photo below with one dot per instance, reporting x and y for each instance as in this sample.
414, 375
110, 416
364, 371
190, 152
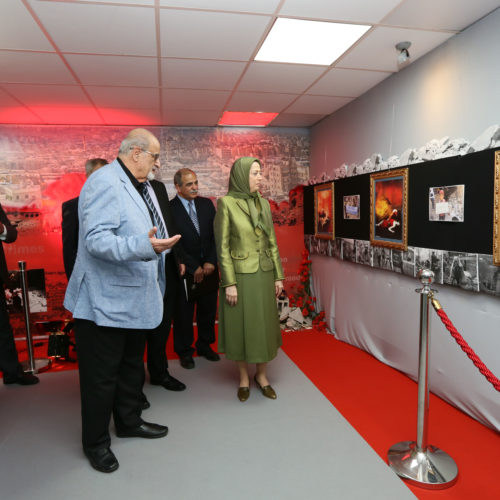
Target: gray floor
297, 447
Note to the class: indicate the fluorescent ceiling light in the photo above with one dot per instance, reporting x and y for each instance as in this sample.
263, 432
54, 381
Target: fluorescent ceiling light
308, 42
246, 119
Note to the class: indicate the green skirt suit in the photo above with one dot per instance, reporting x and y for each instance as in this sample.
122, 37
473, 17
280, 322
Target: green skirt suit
248, 258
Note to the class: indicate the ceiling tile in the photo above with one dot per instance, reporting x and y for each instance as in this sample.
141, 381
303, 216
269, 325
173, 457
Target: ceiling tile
260, 101
313, 104
126, 97
190, 118
21, 31
281, 78
133, 2
295, 120
31, 67
48, 95
114, 70
183, 99
193, 34
444, 15
195, 74
18, 115
128, 116
6, 99
347, 82
260, 6
69, 115
355, 11
377, 50
99, 29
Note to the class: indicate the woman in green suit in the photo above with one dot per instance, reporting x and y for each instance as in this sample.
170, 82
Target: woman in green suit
251, 276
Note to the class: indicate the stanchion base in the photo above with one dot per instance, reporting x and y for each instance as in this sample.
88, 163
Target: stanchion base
431, 469
41, 365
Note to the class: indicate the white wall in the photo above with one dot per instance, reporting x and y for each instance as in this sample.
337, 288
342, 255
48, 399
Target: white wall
453, 91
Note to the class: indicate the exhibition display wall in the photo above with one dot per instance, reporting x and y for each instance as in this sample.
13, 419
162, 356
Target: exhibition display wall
450, 93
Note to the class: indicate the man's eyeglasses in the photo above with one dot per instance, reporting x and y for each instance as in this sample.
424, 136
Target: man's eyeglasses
156, 156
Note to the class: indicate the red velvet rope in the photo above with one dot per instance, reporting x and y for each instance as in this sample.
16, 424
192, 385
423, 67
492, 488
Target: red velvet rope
467, 349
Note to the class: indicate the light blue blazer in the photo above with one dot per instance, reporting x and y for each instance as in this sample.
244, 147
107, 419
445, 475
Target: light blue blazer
115, 279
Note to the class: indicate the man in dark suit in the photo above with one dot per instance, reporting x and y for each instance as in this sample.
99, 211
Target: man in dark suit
194, 217
70, 221
174, 268
9, 362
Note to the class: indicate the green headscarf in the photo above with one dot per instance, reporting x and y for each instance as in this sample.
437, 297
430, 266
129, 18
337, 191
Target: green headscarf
239, 187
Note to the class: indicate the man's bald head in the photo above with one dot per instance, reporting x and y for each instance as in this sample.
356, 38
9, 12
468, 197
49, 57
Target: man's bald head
137, 138
140, 152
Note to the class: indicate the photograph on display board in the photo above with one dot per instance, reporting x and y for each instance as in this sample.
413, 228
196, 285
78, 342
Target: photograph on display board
363, 252
324, 220
446, 203
37, 293
348, 250
489, 275
336, 248
382, 258
351, 206
388, 209
496, 212
461, 269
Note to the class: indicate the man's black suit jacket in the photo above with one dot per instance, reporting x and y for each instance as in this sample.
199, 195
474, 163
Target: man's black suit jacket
172, 229
69, 234
198, 248
10, 238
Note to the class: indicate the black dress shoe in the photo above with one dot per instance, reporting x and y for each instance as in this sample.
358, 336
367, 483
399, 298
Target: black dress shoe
209, 354
170, 383
20, 378
102, 460
145, 404
187, 362
145, 430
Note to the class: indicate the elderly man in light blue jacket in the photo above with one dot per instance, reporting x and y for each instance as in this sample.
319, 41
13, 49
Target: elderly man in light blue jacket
116, 294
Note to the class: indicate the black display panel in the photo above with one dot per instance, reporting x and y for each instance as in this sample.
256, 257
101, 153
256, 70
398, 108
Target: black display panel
474, 234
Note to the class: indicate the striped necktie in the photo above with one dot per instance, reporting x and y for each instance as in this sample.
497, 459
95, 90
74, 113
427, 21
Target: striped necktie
194, 218
157, 221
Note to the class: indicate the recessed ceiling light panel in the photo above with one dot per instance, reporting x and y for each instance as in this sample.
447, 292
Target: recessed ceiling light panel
246, 119
308, 42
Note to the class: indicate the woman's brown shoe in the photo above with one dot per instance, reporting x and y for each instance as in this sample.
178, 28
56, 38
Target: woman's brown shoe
267, 390
243, 393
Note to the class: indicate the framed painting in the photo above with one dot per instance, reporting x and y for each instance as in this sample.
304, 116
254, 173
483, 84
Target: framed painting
389, 209
496, 212
324, 213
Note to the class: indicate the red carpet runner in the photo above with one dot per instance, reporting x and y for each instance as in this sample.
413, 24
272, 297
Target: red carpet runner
381, 404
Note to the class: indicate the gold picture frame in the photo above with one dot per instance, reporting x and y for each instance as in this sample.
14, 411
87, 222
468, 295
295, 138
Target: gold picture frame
324, 211
389, 209
496, 212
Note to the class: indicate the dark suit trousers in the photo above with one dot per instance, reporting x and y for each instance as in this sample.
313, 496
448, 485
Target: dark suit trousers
206, 307
9, 362
157, 338
110, 363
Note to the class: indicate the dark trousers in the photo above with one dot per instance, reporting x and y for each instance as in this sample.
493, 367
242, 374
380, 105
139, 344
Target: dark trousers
157, 338
110, 363
206, 308
9, 362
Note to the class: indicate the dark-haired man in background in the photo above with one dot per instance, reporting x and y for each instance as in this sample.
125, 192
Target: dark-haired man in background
70, 221
194, 216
